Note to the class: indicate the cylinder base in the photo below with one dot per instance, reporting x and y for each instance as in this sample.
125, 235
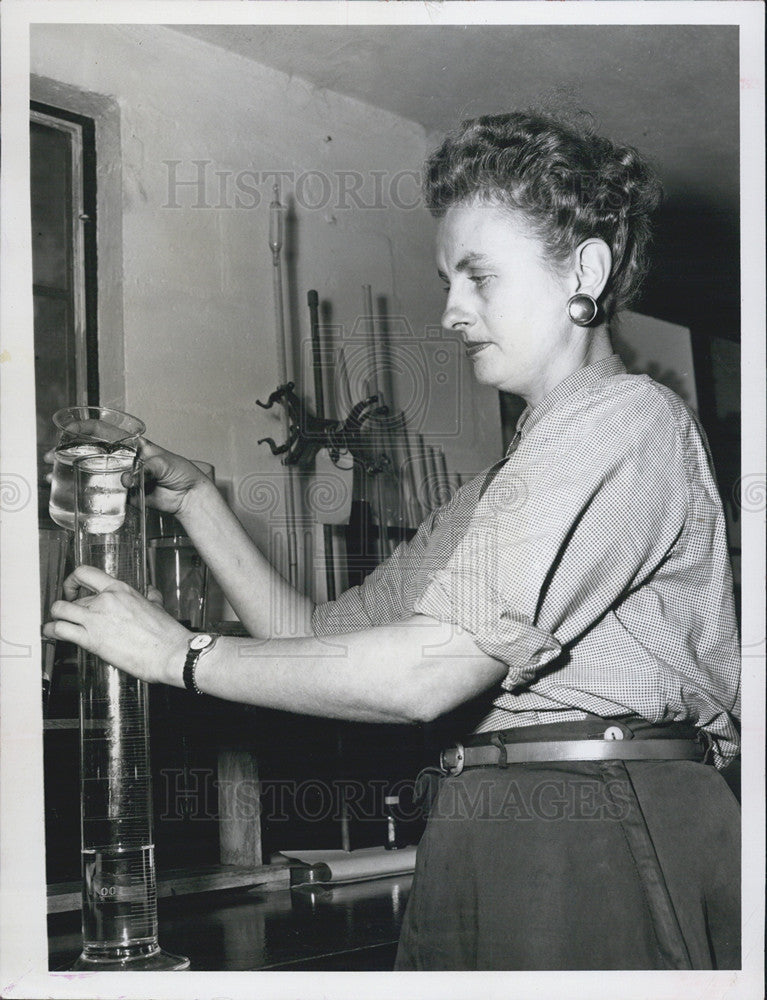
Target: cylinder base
153, 959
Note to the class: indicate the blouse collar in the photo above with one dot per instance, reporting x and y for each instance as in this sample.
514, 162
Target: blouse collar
580, 379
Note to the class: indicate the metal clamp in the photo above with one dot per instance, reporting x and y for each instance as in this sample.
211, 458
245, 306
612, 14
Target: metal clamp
460, 758
613, 733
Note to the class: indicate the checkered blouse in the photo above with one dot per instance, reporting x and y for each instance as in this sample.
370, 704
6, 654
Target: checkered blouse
592, 561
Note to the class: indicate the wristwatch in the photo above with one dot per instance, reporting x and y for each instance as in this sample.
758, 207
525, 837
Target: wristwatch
198, 644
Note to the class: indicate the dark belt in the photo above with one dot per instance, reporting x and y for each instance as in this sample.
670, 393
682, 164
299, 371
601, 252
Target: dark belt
500, 749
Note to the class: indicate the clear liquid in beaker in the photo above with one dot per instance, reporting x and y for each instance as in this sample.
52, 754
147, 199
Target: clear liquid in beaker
62, 502
119, 900
103, 495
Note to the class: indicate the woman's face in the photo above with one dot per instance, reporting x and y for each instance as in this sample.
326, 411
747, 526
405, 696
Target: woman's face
509, 307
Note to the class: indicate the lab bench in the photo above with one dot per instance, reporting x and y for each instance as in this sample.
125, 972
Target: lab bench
220, 901
342, 927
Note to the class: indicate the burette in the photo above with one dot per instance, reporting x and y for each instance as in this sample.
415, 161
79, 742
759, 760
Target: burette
276, 215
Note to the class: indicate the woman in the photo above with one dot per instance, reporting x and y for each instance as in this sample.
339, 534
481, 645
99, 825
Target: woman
574, 602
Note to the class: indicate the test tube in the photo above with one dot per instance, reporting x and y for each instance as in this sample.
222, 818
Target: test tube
119, 895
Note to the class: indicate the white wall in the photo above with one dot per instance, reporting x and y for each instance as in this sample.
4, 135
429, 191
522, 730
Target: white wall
662, 350
197, 303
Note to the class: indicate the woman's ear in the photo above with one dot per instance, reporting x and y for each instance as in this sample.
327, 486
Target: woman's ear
593, 263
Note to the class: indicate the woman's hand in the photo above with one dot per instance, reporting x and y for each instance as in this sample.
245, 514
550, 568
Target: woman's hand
119, 625
170, 479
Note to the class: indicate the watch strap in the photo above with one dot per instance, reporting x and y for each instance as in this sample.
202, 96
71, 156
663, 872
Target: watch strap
190, 666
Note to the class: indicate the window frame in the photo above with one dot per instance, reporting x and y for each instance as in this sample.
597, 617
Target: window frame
82, 133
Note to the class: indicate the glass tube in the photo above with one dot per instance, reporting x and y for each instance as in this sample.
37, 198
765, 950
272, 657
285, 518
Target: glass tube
119, 895
54, 544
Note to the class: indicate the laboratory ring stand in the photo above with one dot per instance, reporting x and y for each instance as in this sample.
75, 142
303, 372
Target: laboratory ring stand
119, 892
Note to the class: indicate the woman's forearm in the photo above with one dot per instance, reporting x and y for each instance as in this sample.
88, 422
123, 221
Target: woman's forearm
410, 671
264, 602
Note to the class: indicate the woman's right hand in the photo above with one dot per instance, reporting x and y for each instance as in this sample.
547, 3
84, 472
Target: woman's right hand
170, 479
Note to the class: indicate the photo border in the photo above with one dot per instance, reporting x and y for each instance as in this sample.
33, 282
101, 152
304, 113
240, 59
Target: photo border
22, 902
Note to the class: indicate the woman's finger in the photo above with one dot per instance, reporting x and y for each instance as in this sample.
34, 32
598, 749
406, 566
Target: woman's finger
93, 579
153, 456
66, 632
70, 612
130, 478
147, 448
154, 466
154, 596
71, 590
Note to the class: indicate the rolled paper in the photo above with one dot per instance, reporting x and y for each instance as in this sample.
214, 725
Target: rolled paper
350, 866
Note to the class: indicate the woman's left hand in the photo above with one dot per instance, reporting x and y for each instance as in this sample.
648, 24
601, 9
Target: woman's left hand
119, 625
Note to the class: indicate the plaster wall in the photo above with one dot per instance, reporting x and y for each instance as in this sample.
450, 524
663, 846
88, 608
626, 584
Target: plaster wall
199, 129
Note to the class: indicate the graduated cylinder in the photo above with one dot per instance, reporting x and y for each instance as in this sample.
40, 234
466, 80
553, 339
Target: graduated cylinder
119, 887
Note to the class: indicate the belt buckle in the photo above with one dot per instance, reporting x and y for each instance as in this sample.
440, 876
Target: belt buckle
460, 759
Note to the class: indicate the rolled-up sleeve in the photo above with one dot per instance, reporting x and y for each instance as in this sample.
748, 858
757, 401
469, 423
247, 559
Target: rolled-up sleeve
498, 629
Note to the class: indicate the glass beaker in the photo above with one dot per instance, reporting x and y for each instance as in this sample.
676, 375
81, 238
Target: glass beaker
176, 568
84, 431
178, 572
119, 895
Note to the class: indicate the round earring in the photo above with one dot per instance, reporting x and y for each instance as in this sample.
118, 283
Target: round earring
582, 309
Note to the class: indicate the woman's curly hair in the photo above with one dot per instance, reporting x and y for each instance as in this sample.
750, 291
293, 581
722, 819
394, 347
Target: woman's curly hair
569, 183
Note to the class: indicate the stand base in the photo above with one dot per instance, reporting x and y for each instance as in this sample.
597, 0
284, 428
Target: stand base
155, 961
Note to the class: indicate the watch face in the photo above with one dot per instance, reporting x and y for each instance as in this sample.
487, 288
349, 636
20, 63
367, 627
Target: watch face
200, 641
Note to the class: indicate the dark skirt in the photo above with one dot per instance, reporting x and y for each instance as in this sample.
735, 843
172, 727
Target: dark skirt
605, 865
